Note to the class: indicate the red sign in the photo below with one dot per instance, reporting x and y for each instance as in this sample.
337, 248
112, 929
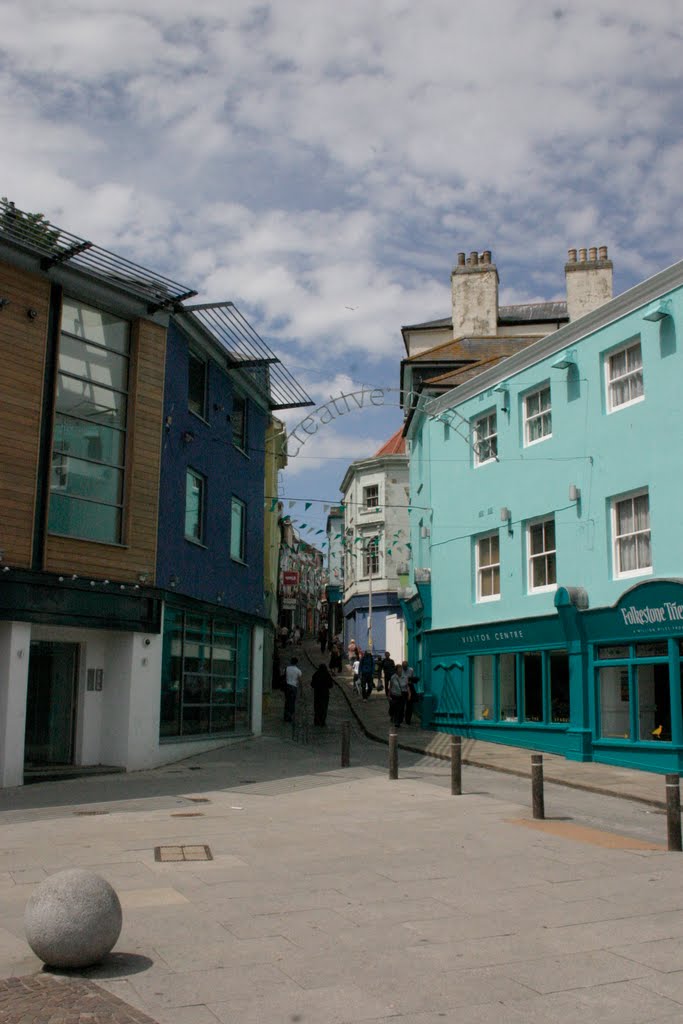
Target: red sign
290, 579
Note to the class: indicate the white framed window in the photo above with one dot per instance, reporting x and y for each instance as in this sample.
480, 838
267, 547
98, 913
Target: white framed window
238, 530
624, 371
632, 552
538, 423
370, 497
485, 438
542, 570
371, 556
195, 495
487, 554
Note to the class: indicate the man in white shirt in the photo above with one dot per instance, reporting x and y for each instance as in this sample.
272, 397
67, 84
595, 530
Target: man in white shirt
292, 680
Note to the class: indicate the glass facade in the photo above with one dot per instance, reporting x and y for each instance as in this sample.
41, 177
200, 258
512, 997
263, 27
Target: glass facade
205, 686
91, 412
634, 691
532, 686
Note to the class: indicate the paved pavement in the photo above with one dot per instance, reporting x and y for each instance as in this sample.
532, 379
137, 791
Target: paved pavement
335, 895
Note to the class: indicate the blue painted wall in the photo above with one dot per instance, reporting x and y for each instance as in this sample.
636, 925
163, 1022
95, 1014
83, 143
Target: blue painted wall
356, 621
207, 571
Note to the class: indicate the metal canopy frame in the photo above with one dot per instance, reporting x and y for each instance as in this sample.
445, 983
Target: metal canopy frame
55, 247
247, 351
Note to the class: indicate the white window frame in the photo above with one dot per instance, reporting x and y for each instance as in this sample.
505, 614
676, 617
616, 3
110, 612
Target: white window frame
367, 506
644, 570
611, 382
544, 554
486, 567
370, 554
531, 418
487, 437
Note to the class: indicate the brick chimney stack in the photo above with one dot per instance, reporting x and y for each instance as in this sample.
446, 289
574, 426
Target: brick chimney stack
589, 280
474, 291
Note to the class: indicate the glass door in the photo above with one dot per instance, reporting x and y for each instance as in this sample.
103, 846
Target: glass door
51, 703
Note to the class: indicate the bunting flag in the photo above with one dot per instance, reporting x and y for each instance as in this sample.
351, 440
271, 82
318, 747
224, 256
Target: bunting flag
291, 504
302, 526
273, 505
319, 531
409, 546
389, 551
337, 536
307, 506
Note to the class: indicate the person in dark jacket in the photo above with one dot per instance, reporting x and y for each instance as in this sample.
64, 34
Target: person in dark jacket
322, 683
366, 667
388, 669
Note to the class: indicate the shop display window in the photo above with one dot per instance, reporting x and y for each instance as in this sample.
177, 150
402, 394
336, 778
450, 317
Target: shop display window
508, 687
482, 673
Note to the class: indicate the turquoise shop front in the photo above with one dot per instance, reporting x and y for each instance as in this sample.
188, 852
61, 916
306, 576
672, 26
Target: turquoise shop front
591, 684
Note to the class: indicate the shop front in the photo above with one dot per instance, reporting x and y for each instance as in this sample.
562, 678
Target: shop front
602, 684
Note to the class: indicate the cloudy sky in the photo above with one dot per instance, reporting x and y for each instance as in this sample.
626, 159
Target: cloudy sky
321, 163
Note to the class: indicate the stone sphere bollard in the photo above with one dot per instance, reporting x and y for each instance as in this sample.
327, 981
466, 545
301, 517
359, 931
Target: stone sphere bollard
73, 919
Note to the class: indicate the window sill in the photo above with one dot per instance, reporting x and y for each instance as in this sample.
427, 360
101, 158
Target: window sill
196, 543
88, 540
488, 600
198, 416
239, 561
624, 405
550, 589
539, 440
486, 462
634, 574
242, 451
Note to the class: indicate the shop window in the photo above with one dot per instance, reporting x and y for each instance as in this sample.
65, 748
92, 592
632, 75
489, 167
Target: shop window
488, 567
632, 553
508, 687
615, 702
485, 439
542, 561
196, 385
482, 677
654, 702
624, 370
205, 676
195, 487
538, 422
532, 663
91, 416
559, 686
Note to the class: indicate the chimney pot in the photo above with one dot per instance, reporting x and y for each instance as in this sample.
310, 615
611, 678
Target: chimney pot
486, 256
602, 252
582, 255
571, 255
461, 259
474, 259
592, 254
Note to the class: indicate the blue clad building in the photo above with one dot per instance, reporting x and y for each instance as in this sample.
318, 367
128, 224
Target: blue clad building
547, 602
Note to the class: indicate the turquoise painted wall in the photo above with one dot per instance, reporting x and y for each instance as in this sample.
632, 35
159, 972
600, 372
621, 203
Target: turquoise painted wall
605, 454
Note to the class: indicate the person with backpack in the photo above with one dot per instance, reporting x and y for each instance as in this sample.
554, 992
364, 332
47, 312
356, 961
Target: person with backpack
398, 686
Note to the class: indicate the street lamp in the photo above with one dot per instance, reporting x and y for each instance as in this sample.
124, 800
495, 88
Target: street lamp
372, 541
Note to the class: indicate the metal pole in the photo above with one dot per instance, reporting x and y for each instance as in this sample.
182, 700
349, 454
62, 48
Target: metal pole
369, 549
456, 765
537, 786
345, 744
673, 812
393, 753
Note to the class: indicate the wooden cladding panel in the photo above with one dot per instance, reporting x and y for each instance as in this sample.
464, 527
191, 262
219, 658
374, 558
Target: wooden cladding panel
143, 464
22, 359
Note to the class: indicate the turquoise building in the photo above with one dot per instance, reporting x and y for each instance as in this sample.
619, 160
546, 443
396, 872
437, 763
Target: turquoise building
546, 606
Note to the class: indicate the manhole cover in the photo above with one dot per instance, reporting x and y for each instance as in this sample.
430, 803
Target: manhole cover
89, 814
182, 853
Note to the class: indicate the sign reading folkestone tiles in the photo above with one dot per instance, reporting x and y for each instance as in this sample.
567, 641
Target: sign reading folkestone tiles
654, 608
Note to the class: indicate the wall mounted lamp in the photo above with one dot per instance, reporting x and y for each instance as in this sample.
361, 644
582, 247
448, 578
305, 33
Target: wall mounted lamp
574, 493
658, 310
504, 390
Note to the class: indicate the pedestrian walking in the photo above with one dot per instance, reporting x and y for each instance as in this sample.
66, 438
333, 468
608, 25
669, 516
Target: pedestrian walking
355, 668
292, 680
388, 669
397, 696
322, 683
297, 635
335, 658
365, 668
411, 692
322, 637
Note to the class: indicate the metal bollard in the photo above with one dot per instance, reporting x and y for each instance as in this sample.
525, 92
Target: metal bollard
456, 765
537, 786
673, 813
345, 744
393, 753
